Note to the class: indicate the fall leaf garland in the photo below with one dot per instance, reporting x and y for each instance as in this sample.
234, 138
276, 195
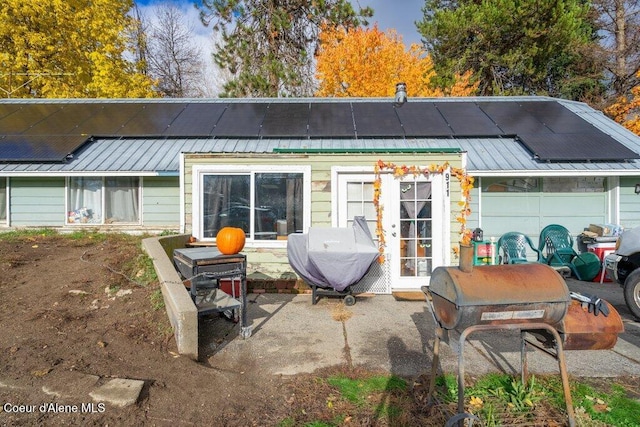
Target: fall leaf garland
399, 171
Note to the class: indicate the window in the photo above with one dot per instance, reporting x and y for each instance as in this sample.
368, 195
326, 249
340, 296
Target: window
98, 200
3, 199
267, 204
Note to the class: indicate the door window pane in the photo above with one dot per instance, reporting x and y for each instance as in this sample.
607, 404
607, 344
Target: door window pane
416, 237
121, 200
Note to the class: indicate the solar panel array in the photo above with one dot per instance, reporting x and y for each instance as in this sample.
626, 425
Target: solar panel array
42, 131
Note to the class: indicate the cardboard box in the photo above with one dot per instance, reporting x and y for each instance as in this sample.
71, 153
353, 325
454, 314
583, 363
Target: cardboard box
600, 229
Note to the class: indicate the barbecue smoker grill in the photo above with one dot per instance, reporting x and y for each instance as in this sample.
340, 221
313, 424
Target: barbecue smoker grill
531, 298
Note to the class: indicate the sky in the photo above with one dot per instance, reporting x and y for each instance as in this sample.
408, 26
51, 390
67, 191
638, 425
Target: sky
388, 14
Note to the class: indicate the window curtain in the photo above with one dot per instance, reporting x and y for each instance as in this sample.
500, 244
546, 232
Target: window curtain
85, 200
414, 197
122, 200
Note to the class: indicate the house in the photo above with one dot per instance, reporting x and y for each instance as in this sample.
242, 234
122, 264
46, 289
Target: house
279, 166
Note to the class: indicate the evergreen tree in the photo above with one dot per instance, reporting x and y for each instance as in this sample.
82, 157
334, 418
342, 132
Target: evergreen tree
515, 47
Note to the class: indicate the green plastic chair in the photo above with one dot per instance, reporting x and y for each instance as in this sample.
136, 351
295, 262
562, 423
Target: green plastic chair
556, 249
513, 248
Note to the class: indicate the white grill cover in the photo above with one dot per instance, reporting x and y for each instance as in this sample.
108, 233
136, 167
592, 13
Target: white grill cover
333, 257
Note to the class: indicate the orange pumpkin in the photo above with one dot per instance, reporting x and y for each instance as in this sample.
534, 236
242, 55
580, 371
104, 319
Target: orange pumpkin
230, 240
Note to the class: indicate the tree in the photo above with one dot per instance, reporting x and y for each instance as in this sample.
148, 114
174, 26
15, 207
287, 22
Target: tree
268, 45
72, 48
619, 23
514, 47
368, 62
174, 61
626, 110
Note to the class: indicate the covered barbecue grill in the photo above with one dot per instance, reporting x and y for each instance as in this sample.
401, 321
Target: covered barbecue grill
531, 298
330, 260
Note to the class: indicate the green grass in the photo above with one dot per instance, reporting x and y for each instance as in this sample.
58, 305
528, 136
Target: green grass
357, 390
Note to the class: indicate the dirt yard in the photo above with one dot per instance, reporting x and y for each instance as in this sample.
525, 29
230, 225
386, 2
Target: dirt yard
77, 313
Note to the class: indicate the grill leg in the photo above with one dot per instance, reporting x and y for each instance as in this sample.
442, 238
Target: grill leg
434, 365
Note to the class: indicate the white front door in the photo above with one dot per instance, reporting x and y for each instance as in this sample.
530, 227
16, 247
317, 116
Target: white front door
414, 222
417, 233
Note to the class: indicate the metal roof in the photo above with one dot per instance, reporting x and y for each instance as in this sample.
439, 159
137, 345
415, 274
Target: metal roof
486, 155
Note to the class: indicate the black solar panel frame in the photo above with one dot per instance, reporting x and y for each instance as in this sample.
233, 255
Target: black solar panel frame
467, 119
331, 120
286, 120
196, 120
39, 148
556, 147
241, 120
423, 120
376, 120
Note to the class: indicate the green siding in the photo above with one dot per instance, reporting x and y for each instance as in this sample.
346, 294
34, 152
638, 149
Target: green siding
629, 202
273, 261
37, 202
161, 201
530, 212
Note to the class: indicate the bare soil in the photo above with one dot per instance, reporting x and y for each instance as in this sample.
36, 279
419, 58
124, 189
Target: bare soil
75, 314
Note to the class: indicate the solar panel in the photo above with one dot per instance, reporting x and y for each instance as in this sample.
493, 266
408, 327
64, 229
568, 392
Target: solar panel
286, 120
196, 119
241, 120
558, 118
6, 109
576, 147
64, 121
108, 118
331, 120
467, 119
26, 117
422, 120
376, 119
512, 119
38, 148
153, 119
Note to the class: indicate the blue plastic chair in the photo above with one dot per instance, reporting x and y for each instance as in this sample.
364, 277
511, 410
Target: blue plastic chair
513, 248
556, 249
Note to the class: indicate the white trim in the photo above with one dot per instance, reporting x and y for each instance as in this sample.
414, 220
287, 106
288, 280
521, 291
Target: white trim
183, 222
198, 171
343, 170
613, 190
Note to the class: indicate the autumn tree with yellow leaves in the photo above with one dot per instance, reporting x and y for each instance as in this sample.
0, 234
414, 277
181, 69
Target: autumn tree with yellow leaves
67, 48
626, 111
362, 62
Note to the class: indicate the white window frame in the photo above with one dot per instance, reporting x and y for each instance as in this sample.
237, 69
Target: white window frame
199, 171
102, 202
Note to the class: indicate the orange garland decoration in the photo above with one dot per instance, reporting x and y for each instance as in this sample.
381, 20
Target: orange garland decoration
466, 185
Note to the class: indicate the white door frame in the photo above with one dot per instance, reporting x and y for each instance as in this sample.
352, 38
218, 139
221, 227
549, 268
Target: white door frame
390, 200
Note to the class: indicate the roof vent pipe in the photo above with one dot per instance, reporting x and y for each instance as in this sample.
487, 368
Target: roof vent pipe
401, 94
